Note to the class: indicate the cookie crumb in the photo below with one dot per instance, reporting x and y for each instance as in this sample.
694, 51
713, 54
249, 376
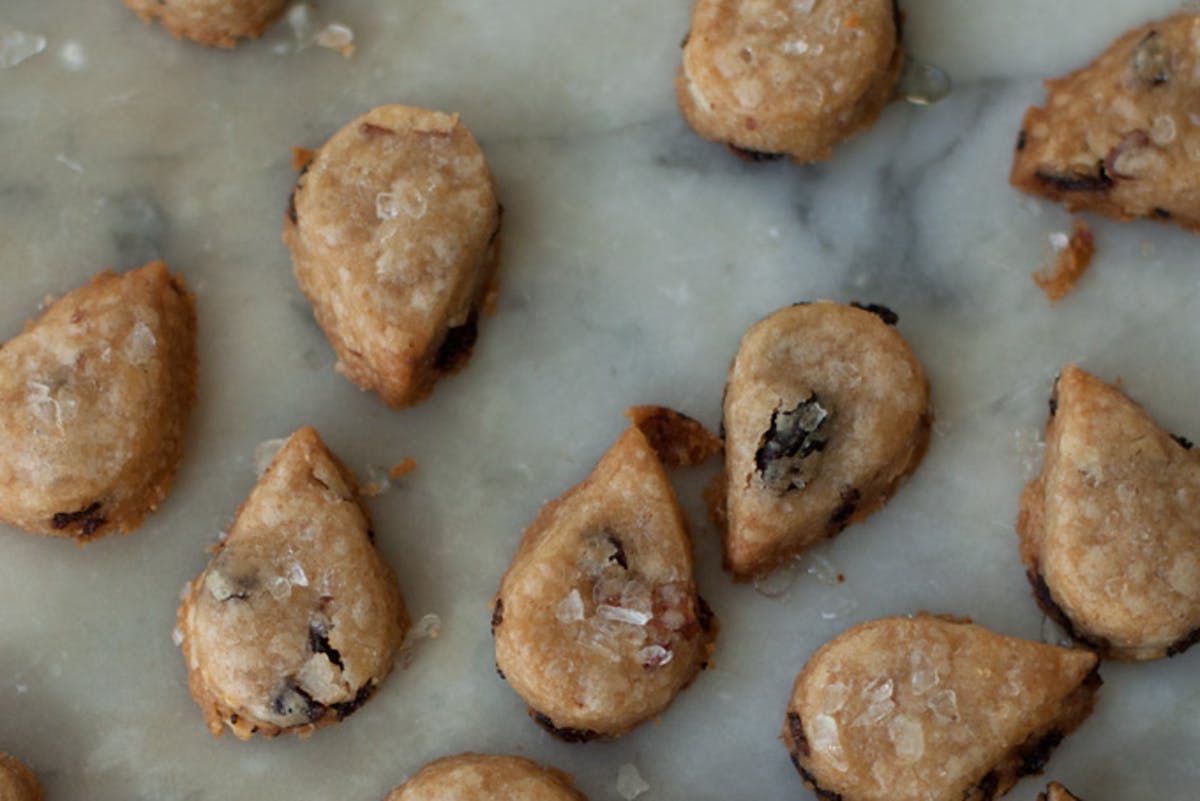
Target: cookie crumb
679, 440
336, 36
402, 468
1074, 257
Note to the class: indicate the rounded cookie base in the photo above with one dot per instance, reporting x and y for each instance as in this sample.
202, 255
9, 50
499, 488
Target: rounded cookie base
215, 23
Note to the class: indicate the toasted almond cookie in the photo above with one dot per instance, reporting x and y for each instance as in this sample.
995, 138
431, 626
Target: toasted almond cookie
297, 619
216, 23
94, 399
826, 411
17, 782
772, 78
1056, 792
1109, 532
393, 231
480, 777
1116, 137
932, 709
597, 623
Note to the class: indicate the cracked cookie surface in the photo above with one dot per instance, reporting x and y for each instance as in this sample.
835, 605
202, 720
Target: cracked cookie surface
482, 777
216, 23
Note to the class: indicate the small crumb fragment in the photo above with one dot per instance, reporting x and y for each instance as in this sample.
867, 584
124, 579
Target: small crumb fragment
402, 468
630, 783
429, 627
336, 36
302, 157
679, 440
377, 481
17, 46
1074, 256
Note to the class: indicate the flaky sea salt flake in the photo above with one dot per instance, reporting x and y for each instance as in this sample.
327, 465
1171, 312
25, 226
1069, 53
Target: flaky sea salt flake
908, 738
264, 454
17, 46
944, 706
630, 783
570, 608
825, 739
336, 36
620, 614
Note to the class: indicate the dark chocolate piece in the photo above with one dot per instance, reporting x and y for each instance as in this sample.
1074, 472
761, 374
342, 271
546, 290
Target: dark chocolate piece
882, 312
566, 734
456, 348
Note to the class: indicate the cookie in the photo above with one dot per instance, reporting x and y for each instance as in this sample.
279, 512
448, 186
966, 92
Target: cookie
393, 231
932, 709
480, 777
297, 619
1056, 792
597, 623
826, 411
1109, 533
216, 23
94, 399
679, 440
17, 782
1118, 137
774, 78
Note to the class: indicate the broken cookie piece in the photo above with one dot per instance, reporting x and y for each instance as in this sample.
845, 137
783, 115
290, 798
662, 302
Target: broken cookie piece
1109, 532
216, 23
826, 411
774, 78
932, 709
597, 623
297, 619
679, 440
1056, 792
17, 782
1116, 137
94, 399
393, 230
480, 777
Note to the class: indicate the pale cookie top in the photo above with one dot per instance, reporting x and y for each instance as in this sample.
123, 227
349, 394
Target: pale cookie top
297, 617
94, 396
597, 622
1115, 532
922, 708
479, 777
17, 782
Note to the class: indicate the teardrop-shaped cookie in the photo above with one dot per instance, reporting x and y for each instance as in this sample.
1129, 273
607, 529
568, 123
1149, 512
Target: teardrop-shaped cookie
297, 618
17, 782
1056, 792
94, 398
393, 228
597, 622
483, 777
932, 709
826, 411
1116, 137
216, 23
1109, 531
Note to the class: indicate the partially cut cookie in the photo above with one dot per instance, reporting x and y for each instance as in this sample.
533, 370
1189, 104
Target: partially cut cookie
17, 782
773, 78
393, 230
481, 777
826, 411
94, 399
1056, 792
1117, 137
1109, 531
216, 23
597, 623
932, 709
297, 618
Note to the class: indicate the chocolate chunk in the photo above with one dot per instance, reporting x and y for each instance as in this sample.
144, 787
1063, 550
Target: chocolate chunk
850, 499
497, 615
1077, 181
1161, 213
796, 730
371, 128
882, 312
986, 788
1054, 396
811, 781
1150, 62
1186, 443
456, 347
318, 643
1036, 754
1022, 139
618, 557
1041, 593
292, 700
1179, 646
754, 156
500, 673
345, 709
704, 614
291, 209
794, 435
566, 734
89, 519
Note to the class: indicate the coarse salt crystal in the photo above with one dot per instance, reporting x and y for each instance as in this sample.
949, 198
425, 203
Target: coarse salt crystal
1058, 240
297, 575
908, 738
1162, 130
879, 689
795, 47
834, 697
824, 738
177, 636
630, 783
570, 608
140, 344
944, 706
17, 46
924, 675
654, 656
620, 614
73, 56
265, 452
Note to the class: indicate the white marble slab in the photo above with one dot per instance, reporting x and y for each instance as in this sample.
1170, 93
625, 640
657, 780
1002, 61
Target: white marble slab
634, 257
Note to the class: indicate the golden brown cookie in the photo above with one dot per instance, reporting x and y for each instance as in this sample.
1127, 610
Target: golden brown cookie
826, 411
393, 228
94, 399
1119, 137
297, 619
932, 709
1109, 532
679, 440
17, 782
788, 77
597, 622
216, 23
480, 777
1056, 792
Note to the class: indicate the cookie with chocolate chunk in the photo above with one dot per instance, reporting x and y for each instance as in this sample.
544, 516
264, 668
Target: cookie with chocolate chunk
1056, 792
94, 399
1109, 532
297, 618
597, 623
826, 412
393, 231
482, 777
774, 78
932, 709
17, 782
1117, 137
216, 23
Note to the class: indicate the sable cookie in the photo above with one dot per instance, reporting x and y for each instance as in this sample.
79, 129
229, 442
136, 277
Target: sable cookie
597, 623
931, 709
216, 23
297, 619
826, 411
479, 777
17, 782
94, 399
1118, 137
1056, 792
393, 230
776, 77
1109, 532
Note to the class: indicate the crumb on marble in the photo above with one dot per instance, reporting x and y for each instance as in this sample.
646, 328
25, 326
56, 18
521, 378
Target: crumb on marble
678, 440
1074, 257
302, 157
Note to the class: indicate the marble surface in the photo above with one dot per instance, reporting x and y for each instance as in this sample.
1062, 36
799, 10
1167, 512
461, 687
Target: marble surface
634, 257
